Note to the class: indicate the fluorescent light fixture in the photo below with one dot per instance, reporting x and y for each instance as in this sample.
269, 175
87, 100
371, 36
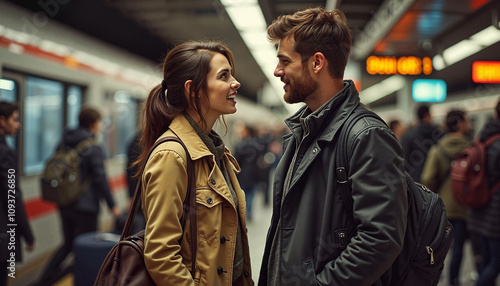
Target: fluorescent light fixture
255, 39
237, 2
247, 17
6, 84
487, 37
467, 47
382, 89
438, 62
460, 51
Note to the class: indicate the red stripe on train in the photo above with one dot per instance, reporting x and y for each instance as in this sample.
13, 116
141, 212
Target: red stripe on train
37, 207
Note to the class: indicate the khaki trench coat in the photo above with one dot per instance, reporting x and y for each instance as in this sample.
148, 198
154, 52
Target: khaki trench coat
164, 188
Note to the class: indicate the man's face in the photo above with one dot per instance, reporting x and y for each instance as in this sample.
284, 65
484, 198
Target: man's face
10, 125
299, 84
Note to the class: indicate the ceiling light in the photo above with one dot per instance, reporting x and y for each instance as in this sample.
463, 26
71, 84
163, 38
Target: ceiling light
467, 47
246, 17
487, 37
237, 2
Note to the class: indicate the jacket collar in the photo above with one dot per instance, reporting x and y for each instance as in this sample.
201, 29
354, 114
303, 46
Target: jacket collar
181, 128
336, 110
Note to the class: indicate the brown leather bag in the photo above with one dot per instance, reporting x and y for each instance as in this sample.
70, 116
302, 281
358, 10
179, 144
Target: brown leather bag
124, 265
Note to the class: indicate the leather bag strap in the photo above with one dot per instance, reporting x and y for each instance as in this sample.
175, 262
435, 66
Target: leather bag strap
189, 205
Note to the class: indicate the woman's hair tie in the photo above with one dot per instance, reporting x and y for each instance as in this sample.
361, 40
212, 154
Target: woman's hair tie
163, 84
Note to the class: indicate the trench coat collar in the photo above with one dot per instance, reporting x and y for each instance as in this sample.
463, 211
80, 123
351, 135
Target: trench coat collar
181, 128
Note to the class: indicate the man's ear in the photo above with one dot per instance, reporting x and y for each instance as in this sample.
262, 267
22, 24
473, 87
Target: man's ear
318, 62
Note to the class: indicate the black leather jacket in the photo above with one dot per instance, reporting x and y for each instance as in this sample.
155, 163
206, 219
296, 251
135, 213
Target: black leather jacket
314, 226
91, 165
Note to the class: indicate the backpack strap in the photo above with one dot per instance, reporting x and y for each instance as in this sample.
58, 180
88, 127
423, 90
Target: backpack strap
341, 156
84, 144
189, 205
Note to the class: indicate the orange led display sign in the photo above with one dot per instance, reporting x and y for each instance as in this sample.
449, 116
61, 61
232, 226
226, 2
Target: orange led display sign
403, 65
486, 72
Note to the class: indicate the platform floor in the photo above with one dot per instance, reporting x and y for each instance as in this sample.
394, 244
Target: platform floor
257, 231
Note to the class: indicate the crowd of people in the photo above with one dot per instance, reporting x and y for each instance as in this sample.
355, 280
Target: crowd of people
306, 241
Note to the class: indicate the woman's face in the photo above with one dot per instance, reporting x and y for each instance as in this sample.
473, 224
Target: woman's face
221, 88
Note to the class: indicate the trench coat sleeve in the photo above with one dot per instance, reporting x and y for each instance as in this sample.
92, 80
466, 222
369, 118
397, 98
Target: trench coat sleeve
163, 192
379, 191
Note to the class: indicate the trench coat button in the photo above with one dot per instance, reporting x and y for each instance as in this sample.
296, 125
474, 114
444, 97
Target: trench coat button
223, 239
315, 150
220, 270
212, 181
246, 274
209, 201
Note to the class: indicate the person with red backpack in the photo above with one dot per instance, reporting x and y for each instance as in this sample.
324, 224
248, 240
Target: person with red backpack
485, 220
435, 175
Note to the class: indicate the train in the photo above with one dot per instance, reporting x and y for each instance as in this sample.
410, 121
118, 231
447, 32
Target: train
52, 70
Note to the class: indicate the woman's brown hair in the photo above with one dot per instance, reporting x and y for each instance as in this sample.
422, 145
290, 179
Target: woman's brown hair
188, 61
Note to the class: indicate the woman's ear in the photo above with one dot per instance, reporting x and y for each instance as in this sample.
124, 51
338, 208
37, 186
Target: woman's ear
187, 88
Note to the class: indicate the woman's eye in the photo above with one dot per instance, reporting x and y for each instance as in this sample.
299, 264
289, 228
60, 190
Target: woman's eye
224, 75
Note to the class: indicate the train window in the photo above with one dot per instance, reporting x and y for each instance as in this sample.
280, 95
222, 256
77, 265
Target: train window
120, 123
43, 121
8, 92
74, 102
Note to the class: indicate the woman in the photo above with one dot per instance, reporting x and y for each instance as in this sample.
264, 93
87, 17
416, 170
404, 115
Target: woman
198, 87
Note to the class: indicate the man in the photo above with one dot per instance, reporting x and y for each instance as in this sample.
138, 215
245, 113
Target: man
435, 175
485, 220
81, 216
309, 241
11, 197
418, 140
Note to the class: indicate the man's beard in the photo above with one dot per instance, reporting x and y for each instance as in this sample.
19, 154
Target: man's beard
301, 89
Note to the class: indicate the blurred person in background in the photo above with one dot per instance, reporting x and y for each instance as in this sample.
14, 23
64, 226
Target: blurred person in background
11, 196
436, 176
417, 141
397, 128
82, 216
485, 221
247, 154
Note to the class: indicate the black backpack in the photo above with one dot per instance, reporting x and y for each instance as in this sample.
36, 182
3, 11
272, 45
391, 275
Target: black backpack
61, 180
429, 233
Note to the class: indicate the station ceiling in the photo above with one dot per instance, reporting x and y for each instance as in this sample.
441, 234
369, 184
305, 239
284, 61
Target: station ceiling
149, 28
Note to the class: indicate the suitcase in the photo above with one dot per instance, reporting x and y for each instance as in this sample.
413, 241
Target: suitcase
90, 249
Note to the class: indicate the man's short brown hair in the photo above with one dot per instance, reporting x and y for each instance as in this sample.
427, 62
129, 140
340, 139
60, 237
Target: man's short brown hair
316, 30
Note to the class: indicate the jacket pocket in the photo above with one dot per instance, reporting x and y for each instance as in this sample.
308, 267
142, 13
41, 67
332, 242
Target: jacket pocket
209, 214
